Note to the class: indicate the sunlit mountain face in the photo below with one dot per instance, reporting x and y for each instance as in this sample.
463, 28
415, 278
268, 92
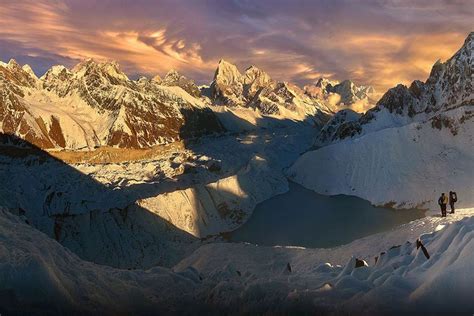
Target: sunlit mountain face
376, 43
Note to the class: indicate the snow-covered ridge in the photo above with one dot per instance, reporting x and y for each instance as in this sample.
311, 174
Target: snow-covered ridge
342, 95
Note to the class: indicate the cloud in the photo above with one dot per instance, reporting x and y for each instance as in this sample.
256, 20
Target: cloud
380, 43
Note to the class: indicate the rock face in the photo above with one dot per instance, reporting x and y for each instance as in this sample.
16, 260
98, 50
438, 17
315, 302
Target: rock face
340, 125
96, 104
449, 86
232, 88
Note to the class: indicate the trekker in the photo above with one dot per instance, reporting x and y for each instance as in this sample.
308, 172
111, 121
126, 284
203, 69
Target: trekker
453, 198
443, 202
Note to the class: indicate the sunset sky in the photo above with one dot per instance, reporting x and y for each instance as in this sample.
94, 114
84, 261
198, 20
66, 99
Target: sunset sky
380, 43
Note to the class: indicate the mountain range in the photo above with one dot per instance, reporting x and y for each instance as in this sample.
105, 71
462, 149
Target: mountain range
95, 104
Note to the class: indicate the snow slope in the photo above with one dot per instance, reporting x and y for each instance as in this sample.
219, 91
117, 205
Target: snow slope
38, 275
405, 167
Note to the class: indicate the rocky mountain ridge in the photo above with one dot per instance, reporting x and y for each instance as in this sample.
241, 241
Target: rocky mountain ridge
256, 89
96, 104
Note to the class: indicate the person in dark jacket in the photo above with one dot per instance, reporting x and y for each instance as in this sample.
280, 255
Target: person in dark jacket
443, 202
453, 198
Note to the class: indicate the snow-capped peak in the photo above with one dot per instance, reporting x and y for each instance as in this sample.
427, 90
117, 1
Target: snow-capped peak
108, 69
156, 79
172, 73
30, 71
254, 73
448, 85
12, 64
55, 71
227, 72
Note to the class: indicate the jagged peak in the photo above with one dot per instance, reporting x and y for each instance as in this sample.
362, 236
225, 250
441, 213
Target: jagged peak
57, 69
27, 68
323, 82
84, 64
110, 68
156, 78
3, 64
172, 73
227, 71
254, 72
465, 50
346, 83
13, 64
113, 69
223, 64
253, 68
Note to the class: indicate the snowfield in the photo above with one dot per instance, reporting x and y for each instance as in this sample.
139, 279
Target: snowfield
405, 167
37, 274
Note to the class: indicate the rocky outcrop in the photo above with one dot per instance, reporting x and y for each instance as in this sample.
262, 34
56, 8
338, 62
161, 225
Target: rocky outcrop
342, 124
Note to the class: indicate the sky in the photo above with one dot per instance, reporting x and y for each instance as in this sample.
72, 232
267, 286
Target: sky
379, 43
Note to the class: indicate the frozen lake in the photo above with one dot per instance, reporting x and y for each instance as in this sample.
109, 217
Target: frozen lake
304, 218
